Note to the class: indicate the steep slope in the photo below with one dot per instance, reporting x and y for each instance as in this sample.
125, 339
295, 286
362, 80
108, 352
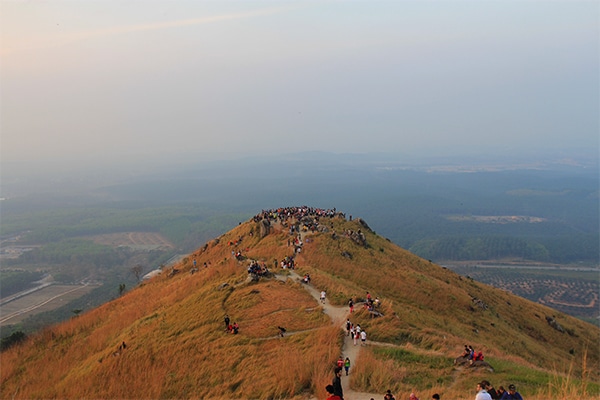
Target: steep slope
176, 345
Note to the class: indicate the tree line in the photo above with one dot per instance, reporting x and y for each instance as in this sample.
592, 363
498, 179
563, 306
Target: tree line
456, 248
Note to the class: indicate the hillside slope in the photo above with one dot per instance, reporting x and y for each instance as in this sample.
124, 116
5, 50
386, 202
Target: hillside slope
177, 347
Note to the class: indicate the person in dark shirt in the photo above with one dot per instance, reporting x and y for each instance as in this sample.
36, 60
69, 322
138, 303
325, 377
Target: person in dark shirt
512, 394
337, 383
490, 389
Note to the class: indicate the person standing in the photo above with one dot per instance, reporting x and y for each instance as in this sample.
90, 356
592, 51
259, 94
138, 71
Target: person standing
337, 383
512, 394
323, 296
347, 365
226, 319
351, 305
490, 389
500, 391
363, 338
482, 394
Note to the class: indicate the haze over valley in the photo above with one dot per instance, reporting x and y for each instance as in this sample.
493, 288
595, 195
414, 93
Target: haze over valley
460, 137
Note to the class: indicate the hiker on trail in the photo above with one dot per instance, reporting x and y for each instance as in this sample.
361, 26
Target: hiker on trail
340, 362
332, 396
337, 383
363, 338
388, 395
226, 319
323, 297
512, 394
482, 394
347, 365
356, 336
351, 305
348, 326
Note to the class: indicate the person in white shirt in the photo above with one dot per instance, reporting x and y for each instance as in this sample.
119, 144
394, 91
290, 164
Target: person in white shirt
482, 394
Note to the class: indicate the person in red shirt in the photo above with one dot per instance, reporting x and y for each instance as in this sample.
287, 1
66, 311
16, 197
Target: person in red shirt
332, 396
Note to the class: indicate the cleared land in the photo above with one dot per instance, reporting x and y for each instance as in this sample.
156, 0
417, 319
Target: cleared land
571, 291
46, 299
136, 240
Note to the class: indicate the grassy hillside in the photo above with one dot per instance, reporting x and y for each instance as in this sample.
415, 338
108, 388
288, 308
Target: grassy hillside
177, 348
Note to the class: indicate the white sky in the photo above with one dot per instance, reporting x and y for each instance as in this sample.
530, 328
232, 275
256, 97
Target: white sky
115, 79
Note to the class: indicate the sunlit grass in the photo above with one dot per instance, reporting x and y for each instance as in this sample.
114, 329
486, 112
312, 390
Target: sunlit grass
177, 346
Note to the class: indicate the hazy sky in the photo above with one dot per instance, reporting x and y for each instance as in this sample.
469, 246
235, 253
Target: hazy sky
115, 79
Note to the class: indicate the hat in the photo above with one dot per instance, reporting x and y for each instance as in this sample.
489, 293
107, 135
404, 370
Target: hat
511, 387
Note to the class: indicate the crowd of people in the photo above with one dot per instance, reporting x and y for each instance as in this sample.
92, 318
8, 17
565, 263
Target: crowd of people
285, 213
485, 391
258, 269
356, 333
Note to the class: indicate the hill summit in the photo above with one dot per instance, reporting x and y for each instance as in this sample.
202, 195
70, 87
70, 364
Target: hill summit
168, 337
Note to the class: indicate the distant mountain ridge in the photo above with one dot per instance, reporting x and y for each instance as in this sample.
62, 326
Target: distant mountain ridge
176, 346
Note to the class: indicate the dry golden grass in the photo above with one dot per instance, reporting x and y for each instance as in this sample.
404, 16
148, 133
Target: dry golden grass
177, 347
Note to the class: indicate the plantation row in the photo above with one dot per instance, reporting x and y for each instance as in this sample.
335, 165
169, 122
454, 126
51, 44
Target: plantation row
577, 296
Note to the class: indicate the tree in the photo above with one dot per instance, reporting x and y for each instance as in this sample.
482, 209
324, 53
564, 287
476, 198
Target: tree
14, 338
137, 271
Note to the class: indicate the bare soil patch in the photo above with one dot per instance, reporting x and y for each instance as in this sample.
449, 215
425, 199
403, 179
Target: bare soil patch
137, 240
46, 299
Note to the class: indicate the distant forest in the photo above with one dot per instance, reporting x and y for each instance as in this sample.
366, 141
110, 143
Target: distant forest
415, 208
443, 214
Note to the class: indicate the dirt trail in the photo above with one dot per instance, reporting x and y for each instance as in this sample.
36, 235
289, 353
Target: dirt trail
338, 316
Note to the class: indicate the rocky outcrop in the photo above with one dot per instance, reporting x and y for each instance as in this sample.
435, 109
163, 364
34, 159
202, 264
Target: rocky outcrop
264, 227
